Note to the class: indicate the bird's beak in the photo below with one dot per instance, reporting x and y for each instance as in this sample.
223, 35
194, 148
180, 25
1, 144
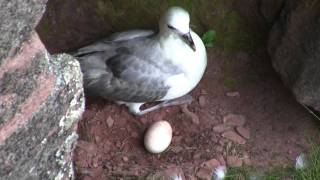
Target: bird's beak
189, 40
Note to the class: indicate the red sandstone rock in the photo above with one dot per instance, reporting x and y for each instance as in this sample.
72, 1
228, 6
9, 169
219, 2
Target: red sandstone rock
244, 132
234, 120
233, 136
220, 128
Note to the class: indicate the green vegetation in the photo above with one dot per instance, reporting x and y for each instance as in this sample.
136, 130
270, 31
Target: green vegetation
232, 29
310, 172
208, 38
230, 84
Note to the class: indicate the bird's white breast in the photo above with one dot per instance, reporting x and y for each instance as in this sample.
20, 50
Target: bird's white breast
192, 63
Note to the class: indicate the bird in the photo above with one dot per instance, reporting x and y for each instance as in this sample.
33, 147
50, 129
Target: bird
136, 67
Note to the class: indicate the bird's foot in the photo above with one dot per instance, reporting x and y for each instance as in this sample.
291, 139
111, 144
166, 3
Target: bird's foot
135, 107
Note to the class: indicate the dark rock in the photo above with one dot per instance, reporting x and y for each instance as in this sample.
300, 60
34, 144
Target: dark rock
270, 9
294, 46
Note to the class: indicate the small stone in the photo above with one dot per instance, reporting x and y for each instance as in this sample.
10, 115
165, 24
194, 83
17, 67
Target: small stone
220, 158
203, 91
202, 101
194, 117
234, 161
247, 161
174, 172
177, 139
233, 94
234, 120
134, 134
211, 164
234, 137
118, 144
176, 149
244, 132
191, 177
204, 173
197, 156
125, 158
110, 122
222, 142
218, 148
220, 128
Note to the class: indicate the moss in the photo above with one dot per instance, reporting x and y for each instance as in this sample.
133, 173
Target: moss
45, 29
232, 29
230, 83
233, 34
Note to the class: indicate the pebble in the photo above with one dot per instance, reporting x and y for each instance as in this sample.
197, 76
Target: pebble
176, 149
234, 137
203, 91
194, 117
244, 132
220, 158
204, 173
247, 161
202, 101
110, 122
125, 159
174, 172
233, 94
234, 161
234, 120
134, 134
220, 128
197, 156
211, 164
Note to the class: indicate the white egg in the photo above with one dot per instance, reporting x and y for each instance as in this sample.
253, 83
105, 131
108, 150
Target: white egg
158, 137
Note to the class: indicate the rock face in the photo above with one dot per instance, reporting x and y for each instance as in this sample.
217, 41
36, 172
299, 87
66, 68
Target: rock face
294, 46
270, 9
41, 99
18, 18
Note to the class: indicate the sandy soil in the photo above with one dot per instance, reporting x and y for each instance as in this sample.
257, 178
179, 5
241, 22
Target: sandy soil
269, 128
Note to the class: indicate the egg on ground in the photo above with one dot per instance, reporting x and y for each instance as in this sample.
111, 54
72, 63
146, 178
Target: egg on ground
158, 137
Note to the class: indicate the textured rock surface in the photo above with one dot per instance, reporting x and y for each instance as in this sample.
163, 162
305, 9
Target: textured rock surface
41, 103
41, 99
237, 22
18, 18
294, 47
270, 9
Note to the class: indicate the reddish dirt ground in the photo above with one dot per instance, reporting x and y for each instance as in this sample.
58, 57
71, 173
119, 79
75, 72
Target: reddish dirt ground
239, 86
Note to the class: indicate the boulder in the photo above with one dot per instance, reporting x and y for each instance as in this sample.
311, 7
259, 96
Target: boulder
18, 18
270, 9
41, 99
294, 47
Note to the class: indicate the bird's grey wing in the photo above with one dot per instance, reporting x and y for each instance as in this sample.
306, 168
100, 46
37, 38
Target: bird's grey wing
128, 78
128, 35
108, 43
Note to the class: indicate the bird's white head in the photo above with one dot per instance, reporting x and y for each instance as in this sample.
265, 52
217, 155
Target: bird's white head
176, 18
176, 21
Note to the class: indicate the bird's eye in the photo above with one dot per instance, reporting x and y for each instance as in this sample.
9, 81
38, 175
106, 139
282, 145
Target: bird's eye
171, 27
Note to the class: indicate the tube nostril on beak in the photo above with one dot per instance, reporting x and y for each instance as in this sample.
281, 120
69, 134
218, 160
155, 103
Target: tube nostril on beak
189, 40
